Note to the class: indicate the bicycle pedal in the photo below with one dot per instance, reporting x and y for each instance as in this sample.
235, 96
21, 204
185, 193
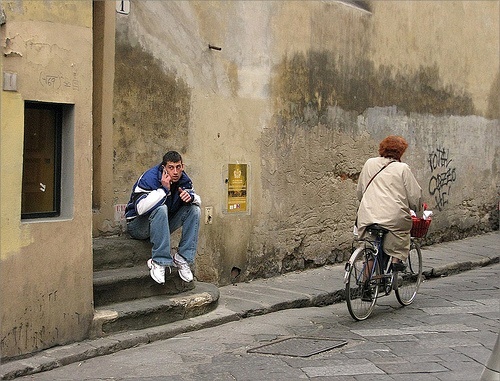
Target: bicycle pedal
367, 297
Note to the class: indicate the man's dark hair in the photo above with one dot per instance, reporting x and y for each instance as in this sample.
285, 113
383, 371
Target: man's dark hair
171, 156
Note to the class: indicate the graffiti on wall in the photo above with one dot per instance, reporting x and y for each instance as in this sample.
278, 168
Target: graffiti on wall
58, 81
28, 332
443, 175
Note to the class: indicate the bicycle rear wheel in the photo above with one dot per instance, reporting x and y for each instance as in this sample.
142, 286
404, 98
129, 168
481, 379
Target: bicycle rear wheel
359, 284
409, 280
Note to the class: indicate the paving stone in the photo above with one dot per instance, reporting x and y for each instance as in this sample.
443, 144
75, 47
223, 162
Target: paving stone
410, 367
343, 370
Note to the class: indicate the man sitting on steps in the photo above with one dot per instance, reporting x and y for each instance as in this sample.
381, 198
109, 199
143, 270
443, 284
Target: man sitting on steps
162, 201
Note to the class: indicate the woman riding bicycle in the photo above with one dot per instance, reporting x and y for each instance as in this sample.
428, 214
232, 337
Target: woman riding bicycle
387, 190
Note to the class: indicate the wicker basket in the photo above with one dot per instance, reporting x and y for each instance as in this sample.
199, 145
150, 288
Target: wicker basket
419, 227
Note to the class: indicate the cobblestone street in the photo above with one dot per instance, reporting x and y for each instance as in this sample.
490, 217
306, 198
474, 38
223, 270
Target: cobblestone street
446, 334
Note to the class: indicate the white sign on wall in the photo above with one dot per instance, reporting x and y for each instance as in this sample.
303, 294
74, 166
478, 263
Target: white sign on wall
123, 6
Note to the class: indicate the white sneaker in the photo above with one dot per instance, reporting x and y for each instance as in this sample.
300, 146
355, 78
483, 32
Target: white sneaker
183, 267
156, 271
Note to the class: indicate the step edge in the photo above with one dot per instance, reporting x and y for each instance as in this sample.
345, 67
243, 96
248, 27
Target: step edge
192, 300
200, 288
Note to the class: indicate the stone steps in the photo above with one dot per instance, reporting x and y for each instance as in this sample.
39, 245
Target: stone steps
126, 298
123, 284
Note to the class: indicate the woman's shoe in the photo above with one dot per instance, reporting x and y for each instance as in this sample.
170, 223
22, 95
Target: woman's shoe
398, 266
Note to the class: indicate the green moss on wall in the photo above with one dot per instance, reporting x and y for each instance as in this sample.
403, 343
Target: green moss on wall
151, 113
316, 81
494, 99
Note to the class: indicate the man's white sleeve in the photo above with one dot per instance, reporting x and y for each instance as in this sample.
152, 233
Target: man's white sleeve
153, 198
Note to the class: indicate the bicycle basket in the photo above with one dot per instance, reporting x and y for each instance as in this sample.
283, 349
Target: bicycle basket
419, 227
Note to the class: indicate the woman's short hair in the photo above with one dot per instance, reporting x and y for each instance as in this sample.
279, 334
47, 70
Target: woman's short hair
392, 147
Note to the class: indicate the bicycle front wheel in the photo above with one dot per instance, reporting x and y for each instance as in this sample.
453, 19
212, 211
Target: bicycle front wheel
409, 280
361, 289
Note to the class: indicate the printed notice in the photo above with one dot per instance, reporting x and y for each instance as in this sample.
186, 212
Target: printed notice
237, 188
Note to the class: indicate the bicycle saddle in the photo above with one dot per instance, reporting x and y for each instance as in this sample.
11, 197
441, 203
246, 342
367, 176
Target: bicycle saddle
376, 228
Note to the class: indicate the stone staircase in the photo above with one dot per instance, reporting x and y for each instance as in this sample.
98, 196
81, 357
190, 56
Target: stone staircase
125, 296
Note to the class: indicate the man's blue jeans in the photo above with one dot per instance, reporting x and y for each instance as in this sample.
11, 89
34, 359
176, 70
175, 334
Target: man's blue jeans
158, 226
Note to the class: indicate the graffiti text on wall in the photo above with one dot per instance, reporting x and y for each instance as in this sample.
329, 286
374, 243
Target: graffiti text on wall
443, 176
58, 81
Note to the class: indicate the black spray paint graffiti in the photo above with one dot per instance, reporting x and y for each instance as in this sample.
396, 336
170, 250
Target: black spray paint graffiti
443, 175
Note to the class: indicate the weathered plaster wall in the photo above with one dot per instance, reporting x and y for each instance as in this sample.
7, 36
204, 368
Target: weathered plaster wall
103, 72
303, 92
46, 265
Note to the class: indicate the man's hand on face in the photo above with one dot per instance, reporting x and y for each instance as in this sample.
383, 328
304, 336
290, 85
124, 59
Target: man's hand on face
166, 179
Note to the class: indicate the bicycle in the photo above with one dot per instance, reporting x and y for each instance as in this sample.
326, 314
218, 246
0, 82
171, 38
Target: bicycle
369, 274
